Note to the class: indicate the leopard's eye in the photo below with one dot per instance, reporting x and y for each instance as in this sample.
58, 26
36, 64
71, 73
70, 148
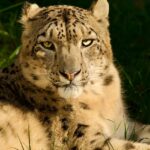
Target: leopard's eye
48, 45
87, 42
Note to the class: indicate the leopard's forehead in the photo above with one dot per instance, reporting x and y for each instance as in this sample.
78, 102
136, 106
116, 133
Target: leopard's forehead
65, 12
61, 22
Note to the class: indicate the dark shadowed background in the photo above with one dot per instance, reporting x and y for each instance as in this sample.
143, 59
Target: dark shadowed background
130, 34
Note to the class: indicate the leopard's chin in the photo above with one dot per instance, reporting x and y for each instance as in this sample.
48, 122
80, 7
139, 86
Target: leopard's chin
70, 92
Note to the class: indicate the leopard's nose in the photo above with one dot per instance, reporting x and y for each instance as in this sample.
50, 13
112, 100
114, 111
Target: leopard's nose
69, 75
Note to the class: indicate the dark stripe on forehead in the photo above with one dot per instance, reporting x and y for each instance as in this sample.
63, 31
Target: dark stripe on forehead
65, 16
66, 20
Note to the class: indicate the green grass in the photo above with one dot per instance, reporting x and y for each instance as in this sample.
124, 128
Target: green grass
130, 33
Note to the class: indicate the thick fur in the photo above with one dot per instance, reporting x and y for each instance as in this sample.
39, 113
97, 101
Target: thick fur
64, 91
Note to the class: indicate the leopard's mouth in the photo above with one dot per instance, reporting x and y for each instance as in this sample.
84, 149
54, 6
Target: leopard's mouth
70, 91
70, 84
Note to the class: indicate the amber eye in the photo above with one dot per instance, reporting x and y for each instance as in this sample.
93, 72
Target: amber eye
87, 42
48, 45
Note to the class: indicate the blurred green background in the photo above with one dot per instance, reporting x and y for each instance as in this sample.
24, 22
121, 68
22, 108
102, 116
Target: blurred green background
130, 34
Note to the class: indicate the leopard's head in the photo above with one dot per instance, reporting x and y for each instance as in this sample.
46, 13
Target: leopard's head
65, 48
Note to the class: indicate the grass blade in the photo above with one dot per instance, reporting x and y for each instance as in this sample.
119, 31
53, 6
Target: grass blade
21, 143
11, 7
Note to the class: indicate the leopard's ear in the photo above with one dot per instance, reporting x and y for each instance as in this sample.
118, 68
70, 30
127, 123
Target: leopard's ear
100, 9
29, 11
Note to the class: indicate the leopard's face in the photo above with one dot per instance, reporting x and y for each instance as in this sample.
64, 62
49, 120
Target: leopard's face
64, 48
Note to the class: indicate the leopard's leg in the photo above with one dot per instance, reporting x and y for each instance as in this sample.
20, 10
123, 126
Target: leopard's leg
112, 143
102, 142
117, 144
93, 138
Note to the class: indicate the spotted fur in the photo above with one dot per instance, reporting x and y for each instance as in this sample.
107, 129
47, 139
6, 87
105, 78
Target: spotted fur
64, 91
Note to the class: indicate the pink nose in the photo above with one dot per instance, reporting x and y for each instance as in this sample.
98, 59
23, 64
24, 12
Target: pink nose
68, 75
